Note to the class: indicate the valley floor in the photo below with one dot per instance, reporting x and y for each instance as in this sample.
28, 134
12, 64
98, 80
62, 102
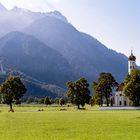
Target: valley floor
68, 123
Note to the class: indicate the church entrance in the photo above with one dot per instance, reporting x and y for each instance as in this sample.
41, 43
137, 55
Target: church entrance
120, 103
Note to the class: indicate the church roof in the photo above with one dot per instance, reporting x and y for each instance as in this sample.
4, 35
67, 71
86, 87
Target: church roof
120, 87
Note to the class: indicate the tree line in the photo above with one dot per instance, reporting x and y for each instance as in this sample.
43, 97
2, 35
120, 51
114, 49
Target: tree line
103, 89
78, 93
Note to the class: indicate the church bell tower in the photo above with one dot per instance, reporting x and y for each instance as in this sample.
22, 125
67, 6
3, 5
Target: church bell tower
131, 62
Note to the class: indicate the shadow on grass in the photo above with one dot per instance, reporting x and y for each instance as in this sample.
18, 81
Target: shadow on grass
82, 109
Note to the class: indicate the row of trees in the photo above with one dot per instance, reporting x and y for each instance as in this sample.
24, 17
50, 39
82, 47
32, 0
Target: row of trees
79, 93
12, 90
47, 101
37, 100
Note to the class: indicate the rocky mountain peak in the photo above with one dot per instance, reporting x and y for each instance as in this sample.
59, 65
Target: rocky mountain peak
58, 15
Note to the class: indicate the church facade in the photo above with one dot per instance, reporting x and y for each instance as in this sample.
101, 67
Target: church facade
119, 99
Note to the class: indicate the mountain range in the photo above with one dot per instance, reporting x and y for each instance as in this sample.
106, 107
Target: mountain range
46, 47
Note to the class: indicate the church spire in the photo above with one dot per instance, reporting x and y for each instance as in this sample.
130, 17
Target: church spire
131, 52
132, 57
131, 62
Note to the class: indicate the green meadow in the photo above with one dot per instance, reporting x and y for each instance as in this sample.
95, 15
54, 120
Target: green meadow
68, 123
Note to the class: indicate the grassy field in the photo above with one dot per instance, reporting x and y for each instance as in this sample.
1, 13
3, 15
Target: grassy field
54, 123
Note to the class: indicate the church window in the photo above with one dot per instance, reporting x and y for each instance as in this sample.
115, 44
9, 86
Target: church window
125, 103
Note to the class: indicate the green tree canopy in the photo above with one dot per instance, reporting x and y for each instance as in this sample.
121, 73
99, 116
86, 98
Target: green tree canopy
132, 87
61, 101
103, 88
47, 100
98, 94
78, 92
12, 90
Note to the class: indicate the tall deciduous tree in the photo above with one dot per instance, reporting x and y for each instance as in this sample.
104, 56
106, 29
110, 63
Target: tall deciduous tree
103, 88
98, 94
132, 87
12, 90
78, 92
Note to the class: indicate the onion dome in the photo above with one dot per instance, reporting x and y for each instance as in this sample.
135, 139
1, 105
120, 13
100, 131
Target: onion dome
132, 57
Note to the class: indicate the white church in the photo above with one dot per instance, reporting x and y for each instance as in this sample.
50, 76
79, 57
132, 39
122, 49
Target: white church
119, 99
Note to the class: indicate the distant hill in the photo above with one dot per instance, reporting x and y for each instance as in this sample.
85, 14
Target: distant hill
36, 88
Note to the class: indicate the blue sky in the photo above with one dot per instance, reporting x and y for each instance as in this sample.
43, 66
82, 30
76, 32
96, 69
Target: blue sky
116, 23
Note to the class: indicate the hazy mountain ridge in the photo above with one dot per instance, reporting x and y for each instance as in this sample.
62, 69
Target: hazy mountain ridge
84, 53
17, 19
29, 55
48, 48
